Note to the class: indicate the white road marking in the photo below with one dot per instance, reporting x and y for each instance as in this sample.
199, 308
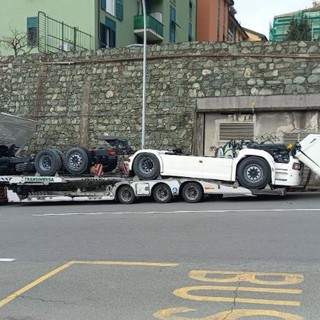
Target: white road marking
171, 212
6, 260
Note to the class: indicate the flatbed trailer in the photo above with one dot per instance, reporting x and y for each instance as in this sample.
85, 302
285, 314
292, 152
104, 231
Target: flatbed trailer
126, 189
32, 189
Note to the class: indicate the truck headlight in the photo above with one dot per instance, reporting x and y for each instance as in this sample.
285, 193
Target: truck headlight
296, 166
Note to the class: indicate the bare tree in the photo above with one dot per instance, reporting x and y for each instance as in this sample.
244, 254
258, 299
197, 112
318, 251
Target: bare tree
19, 42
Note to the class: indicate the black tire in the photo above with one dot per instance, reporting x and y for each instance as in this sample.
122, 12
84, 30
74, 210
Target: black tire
162, 193
125, 195
146, 166
253, 173
47, 162
61, 157
192, 192
77, 161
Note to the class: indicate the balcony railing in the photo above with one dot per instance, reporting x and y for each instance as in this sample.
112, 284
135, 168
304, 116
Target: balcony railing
154, 28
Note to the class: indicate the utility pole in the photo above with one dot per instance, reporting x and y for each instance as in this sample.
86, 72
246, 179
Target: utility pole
143, 120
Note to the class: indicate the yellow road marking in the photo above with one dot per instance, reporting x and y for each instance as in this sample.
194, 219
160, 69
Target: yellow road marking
48, 275
252, 277
184, 293
128, 263
172, 314
34, 283
245, 289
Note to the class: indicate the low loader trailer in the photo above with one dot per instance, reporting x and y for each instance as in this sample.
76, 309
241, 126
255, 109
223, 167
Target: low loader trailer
33, 189
271, 175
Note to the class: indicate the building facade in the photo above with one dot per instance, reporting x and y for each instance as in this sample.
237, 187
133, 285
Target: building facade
62, 25
216, 21
281, 23
254, 35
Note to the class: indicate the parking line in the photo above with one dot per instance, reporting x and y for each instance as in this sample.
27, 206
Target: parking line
33, 284
50, 274
128, 263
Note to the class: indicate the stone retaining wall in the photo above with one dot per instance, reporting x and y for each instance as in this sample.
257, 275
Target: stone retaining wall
75, 96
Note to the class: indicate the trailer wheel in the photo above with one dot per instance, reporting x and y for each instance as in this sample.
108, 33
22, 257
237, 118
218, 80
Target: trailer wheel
77, 160
146, 166
192, 192
125, 195
253, 173
61, 155
47, 162
162, 193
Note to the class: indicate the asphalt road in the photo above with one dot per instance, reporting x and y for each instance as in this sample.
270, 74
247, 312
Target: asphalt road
233, 258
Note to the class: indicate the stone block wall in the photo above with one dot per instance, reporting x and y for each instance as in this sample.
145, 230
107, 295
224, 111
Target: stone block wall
75, 96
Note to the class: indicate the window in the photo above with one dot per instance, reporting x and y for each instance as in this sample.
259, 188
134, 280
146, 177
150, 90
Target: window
110, 33
108, 6
103, 42
32, 31
172, 35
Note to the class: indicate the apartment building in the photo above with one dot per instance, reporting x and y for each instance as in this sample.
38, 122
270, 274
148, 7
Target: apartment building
281, 23
216, 21
53, 25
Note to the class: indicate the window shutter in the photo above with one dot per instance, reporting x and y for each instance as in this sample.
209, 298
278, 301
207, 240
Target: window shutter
32, 22
110, 24
119, 9
236, 130
104, 5
172, 36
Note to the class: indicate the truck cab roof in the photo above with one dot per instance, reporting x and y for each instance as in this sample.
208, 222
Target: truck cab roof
15, 131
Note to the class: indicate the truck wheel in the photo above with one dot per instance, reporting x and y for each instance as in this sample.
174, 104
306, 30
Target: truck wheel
47, 162
253, 173
125, 195
76, 160
146, 166
60, 153
192, 192
162, 193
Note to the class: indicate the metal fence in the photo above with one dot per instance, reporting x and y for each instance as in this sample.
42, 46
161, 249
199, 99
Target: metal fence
56, 36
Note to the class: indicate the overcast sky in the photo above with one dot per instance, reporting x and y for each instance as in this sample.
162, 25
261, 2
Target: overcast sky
257, 15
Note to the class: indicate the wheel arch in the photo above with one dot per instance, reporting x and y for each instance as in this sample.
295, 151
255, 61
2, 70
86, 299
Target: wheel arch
155, 152
257, 154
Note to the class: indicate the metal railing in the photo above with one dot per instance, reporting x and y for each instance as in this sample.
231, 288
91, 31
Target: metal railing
152, 24
57, 36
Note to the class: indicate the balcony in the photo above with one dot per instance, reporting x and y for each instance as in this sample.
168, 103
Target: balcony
154, 28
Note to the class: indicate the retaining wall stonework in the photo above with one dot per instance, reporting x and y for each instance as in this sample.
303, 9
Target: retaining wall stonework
75, 96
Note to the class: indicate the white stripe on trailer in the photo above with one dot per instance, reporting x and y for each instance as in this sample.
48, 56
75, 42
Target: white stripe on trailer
6, 260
